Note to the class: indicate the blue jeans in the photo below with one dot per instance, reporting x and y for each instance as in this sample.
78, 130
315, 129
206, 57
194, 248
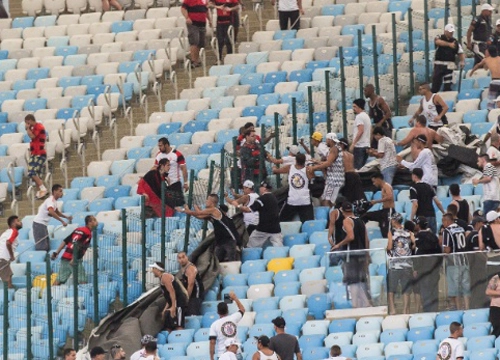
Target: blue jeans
490, 205
360, 157
389, 173
432, 224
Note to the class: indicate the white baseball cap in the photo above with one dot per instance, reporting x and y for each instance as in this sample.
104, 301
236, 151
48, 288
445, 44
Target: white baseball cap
487, 7
231, 341
497, 99
294, 150
449, 28
498, 22
248, 184
492, 216
332, 136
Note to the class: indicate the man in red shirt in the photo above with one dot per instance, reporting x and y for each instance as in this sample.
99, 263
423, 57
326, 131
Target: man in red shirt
225, 11
80, 238
196, 14
38, 155
8, 243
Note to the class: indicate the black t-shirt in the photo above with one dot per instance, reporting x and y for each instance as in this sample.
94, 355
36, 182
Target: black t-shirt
472, 241
285, 345
423, 194
463, 211
426, 243
269, 213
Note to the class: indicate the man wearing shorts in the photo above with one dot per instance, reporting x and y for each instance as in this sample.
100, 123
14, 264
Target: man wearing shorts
38, 154
8, 243
80, 240
334, 166
176, 298
196, 14
400, 244
47, 210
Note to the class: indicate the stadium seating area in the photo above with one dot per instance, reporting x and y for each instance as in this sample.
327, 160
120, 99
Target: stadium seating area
75, 71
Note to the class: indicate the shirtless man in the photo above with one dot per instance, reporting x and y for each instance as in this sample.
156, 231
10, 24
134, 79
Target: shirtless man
432, 106
492, 63
381, 216
353, 188
421, 129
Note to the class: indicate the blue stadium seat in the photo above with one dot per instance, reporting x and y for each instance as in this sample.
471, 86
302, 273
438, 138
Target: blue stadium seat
251, 254
393, 335
284, 34
252, 79
208, 114
425, 347
251, 266
447, 317
117, 191
265, 88
167, 351
483, 354
106, 181
264, 304
475, 116
169, 128
180, 138
308, 262
211, 148
201, 334
80, 102
480, 342
301, 75
244, 69
23, 85
196, 125
266, 316
287, 288
143, 152
259, 57
315, 353
22, 22
223, 136
318, 304
65, 50
94, 81
474, 316
228, 80
480, 129
311, 226
122, 167
311, 341
273, 252
32, 256
469, 94
58, 41
333, 10
261, 329
265, 277
235, 280
275, 77
67, 113
105, 204
74, 206
122, 26
82, 182
295, 239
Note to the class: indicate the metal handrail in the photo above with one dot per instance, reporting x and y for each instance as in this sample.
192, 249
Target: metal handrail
203, 58
64, 162
246, 26
157, 87
31, 196
187, 67
173, 79
97, 143
215, 45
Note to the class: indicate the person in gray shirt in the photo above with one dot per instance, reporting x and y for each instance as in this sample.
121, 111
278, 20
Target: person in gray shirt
285, 345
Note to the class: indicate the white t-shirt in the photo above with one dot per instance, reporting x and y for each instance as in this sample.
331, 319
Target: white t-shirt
362, 119
322, 150
494, 153
386, 147
425, 161
251, 218
10, 236
224, 328
228, 355
288, 5
450, 349
176, 160
138, 354
43, 216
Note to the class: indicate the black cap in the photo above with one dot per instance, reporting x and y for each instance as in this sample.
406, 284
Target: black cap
346, 206
279, 322
422, 221
344, 141
478, 213
263, 339
97, 351
266, 185
422, 138
478, 219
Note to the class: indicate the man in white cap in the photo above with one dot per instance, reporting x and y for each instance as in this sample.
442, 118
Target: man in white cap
447, 48
489, 234
492, 63
479, 32
334, 166
251, 219
232, 347
146, 339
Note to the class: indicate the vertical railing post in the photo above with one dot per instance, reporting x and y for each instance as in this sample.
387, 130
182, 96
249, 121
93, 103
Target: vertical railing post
48, 293
95, 277
277, 142
446, 11
410, 50
222, 175
375, 59
234, 180
360, 63
310, 111
6, 321
262, 155
342, 92
143, 242
75, 297
395, 65
163, 221
190, 205
459, 20
294, 120
426, 39
28, 311
124, 257
328, 102
209, 191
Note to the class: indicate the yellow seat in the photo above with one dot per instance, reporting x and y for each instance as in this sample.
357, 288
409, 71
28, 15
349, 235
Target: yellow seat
41, 281
280, 264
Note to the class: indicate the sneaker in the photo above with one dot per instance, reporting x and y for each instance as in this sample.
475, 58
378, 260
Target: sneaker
40, 194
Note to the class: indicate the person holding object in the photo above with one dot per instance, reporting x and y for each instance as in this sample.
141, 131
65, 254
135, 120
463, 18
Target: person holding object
41, 221
432, 106
424, 159
175, 295
386, 153
479, 32
491, 62
8, 244
226, 327
80, 239
247, 199
289, 10
447, 48
38, 154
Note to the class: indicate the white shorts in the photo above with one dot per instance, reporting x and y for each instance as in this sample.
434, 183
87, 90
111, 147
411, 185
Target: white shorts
330, 193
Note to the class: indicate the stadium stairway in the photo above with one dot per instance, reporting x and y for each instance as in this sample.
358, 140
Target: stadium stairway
106, 134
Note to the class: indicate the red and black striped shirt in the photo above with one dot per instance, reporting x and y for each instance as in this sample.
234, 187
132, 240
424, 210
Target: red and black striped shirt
37, 144
197, 11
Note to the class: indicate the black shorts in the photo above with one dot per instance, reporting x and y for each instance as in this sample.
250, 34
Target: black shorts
403, 277
172, 323
196, 35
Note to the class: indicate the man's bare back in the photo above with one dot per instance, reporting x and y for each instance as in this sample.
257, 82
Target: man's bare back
388, 192
348, 161
432, 136
495, 228
493, 64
